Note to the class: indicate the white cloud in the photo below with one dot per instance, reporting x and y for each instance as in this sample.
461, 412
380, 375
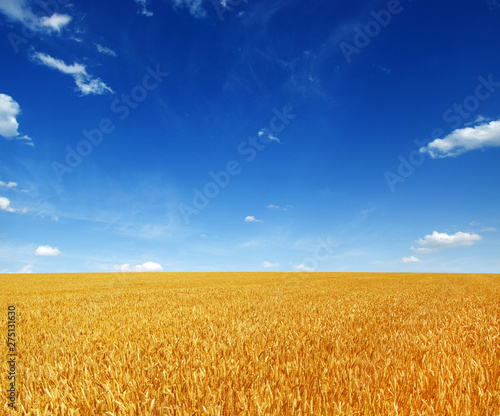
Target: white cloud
411, 259
92, 86
85, 82
105, 50
479, 119
488, 230
144, 7
277, 207
20, 11
302, 268
195, 7
47, 251
439, 241
26, 269
27, 140
75, 69
55, 22
251, 218
464, 140
146, 267
268, 134
17, 10
8, 184
268, 264
5, 205
9, 109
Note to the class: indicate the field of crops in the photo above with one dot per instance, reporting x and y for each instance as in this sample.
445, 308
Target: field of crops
254, 344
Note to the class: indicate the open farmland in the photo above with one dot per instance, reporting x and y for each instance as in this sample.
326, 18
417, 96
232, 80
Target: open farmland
255, 344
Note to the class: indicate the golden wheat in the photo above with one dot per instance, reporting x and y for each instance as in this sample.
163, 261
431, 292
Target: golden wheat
255, 344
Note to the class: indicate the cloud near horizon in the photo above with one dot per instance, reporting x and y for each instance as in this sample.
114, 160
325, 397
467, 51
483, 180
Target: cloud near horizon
302, 268
145, 267
268, 264
440, 241
26, 269
464, 140
411, 259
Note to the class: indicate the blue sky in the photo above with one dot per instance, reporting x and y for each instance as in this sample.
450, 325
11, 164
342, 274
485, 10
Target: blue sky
197, 135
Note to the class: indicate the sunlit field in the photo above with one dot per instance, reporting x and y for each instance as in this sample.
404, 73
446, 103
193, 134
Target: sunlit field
254, 344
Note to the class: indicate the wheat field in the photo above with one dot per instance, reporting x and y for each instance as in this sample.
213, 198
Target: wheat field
255, 344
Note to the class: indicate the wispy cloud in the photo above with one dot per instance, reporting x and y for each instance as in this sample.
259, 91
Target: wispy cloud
145, 267
105, 50
411, 259
251, 218
269, 265
302, 268
26, 139
195, 7
464, 140
440, 241
267, 134
8, 184
144, 8
86, 83
55, 22
278, 207
26, 269
20, 11
47, 251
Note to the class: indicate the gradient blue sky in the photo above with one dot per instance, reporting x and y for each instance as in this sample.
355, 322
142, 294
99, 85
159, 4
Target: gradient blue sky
249, 136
